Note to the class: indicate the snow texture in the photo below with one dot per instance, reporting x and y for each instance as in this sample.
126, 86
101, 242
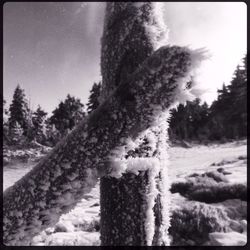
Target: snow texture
156, 28
137, 21
73, 239
183, 161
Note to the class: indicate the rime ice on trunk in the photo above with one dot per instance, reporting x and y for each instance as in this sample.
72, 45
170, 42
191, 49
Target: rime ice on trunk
131, 206
134, 197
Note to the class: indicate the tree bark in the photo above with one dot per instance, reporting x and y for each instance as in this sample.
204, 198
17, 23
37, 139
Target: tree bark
59, 180
127, 41
135, 206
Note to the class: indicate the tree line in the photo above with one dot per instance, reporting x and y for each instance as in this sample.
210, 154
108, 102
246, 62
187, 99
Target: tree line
225, 118
22, 125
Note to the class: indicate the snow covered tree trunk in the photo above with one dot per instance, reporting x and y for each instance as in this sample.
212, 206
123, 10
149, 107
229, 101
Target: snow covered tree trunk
134, 198
132, 209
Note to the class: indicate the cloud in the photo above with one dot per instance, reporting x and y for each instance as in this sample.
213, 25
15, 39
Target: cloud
220, 27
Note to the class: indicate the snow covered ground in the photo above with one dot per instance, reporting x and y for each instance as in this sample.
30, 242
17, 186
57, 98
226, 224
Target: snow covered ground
13, 173
199, 159
80, 226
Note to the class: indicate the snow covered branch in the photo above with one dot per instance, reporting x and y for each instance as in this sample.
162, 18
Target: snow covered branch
59, 181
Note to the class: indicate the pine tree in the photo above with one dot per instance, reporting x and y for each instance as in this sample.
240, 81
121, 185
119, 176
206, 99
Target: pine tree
219, 110
52, 135
199, 115
30, 132
38, 120
19, 110
67, 114
178, 123
238, 96
93, 101
203, 131
16, 134
188, 122
228, 114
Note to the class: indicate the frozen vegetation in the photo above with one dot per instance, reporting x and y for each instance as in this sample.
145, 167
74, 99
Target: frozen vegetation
31, 154
208, 204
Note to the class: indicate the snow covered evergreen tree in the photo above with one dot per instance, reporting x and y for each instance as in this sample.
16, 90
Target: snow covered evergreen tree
52, 134
38, 119
238, 96
30, 131
16, 134
228, 114
18, 110
68, 113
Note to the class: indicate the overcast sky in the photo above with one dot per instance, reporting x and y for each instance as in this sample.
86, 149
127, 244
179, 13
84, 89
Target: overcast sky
53, 48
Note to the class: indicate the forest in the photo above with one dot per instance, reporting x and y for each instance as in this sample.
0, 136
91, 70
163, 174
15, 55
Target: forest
195, 121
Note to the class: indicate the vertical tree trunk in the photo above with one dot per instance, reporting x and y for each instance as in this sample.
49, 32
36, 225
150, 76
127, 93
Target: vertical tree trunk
132, 31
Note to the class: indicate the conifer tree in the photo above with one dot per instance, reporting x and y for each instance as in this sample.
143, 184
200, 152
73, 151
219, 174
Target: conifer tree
188, 121
238, 95
18, 110
16, 134
93, 101
38, 120
68, 113
52, 135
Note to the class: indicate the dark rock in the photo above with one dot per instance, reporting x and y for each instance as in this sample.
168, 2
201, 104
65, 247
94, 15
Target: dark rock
95, 205
223, 171
226, 173
220, 170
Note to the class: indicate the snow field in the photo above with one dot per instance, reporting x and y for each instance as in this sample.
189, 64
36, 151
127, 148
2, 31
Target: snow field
80, 225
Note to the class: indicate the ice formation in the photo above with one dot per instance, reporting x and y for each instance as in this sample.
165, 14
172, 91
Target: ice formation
133, 33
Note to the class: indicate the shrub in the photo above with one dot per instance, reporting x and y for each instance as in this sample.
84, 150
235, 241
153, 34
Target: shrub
181, 187
194, 175
210, 187
242, 157
191, 225
63, 226
217, 176
224, 162
218, 193
93, 226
